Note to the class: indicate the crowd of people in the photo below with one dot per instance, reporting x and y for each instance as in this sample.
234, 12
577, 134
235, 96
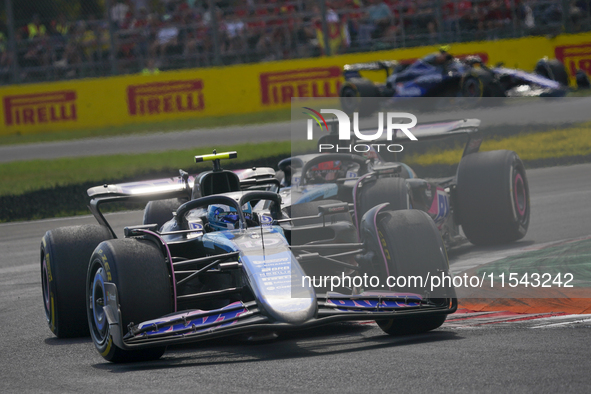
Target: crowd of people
149, 35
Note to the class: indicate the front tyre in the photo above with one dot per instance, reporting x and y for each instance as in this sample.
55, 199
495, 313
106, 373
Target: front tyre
493, 197
480, 83
65, 253
138, 269
411, 246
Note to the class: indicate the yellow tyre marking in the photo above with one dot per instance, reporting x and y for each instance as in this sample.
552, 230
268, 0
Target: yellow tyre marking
108, 349
52, 314
49, 276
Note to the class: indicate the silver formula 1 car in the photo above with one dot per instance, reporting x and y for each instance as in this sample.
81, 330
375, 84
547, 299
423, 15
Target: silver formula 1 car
232, 259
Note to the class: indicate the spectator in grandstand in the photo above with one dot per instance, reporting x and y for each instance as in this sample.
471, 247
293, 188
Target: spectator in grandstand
497, 17
234, 33
576, 15
472, 24
73, 51
378, 18
138, 5
353, 15
118, 12
5, 55
198, 43
255, 28
452, 12
133, 41
35, 34
338, 37
59, 31
35, 29
150, 68
426, 24
89, 40
60, 27
301, 36
166, 37
103, 38
268, 47
548, 13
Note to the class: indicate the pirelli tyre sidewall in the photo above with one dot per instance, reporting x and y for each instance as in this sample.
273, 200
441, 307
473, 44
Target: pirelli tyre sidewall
410, 245
480, 83
493, 197
65, 254
137, 268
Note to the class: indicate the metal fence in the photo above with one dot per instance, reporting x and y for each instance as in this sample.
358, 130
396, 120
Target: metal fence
47, 40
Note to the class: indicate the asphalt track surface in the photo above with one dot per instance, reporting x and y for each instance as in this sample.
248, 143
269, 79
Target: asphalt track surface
338, 358
526, 113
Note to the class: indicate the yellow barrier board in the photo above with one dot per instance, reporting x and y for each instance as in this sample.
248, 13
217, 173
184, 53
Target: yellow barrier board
240, 89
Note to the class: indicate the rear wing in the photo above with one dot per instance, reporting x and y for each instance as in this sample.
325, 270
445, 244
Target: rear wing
259, 178
151, 188
352, 70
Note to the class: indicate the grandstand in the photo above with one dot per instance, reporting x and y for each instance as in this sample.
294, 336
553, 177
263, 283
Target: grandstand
47, 40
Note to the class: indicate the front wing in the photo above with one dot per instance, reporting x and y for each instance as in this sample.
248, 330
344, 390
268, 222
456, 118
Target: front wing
240, 318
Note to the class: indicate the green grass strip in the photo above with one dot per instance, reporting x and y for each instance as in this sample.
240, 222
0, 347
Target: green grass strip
21, 177
283, 115
574, 141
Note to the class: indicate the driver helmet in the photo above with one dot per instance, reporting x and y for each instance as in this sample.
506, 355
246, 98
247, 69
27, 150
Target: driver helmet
444, 56
224, 217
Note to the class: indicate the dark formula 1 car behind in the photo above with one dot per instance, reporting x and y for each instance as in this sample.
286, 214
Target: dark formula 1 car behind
488, 197
232, 260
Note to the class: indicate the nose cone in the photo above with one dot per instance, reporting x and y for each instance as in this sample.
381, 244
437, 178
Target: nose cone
276, 280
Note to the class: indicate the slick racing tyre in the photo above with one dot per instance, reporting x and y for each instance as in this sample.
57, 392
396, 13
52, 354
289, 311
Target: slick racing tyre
552, 69
390, 190
160, 211
138, 269
493, 197
410, 245
352, 94
480, 83
65, 254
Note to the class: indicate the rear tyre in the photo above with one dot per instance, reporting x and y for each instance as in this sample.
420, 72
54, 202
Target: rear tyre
390, 190
552, 69
352, 93
65, 254
138, 269
410, 245
160, 211
493, 197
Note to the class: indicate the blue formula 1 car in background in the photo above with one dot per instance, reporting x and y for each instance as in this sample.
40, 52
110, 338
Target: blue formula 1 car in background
442, 75
233, 259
